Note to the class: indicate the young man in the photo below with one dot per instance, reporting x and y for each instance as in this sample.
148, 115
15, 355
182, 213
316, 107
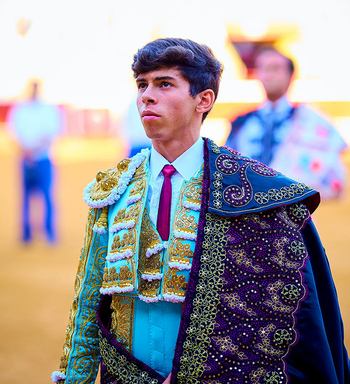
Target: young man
199, 265
278, 127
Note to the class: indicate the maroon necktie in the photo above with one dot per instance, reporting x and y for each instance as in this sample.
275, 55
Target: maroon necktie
163, 221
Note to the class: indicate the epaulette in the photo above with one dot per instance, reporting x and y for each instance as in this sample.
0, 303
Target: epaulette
109, 185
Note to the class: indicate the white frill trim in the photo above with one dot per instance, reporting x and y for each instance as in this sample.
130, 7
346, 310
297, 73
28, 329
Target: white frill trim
133, 199
123, 182
156, 249
119, 255
176, 264
185, 235
112, 290
173, 298
149, 299
159, 276
194, 207
99, 229
119, 226
58, 376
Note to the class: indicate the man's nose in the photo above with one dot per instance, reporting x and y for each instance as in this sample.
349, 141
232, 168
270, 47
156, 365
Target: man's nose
148, 95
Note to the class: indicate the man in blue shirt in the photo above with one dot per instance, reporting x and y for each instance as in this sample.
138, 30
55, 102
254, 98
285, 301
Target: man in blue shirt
36, 125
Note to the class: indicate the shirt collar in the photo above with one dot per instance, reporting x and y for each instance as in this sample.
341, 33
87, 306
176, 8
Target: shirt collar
188, 164
281, 107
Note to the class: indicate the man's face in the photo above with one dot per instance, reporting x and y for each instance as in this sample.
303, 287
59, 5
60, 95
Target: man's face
167, 110
273, 71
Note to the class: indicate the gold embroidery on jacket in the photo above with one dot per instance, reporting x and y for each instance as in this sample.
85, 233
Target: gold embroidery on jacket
106, 181
125, 215
151, 264
97, 261
122, 319
180, 253
186, 224
193, 194
174, 284
127, 243
123, 278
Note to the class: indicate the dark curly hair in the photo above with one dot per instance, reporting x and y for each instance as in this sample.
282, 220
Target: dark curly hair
196, 62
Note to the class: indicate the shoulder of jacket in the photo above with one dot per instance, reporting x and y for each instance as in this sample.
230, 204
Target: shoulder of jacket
109, 185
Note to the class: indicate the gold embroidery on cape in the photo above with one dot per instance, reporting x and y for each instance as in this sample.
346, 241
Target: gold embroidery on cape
233, 300
265, 344
286, 193
256, 219
281, 298
226, 344
107, 180
205, 302
122, 319
141, 170
241, 258
118, 365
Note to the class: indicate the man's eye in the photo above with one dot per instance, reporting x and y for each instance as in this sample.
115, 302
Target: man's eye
165, 84
141, 85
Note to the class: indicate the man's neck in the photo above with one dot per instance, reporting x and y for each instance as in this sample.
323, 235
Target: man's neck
274, 98
173, 149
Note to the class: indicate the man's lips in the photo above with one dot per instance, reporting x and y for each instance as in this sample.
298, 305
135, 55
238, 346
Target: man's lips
149, 115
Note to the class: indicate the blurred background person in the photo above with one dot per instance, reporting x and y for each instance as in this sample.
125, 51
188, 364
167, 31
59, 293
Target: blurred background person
35, 125
293, 139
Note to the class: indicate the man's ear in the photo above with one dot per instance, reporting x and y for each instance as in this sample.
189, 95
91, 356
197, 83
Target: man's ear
206, 101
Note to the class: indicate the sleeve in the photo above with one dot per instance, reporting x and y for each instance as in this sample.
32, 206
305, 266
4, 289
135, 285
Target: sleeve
320, 354
81, 357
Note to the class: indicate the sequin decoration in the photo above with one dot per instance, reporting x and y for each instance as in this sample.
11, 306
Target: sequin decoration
122, 370
243, 321
239, 195
238, 182
283, 193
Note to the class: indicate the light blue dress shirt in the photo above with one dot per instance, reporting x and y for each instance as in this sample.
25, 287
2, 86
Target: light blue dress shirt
156, 325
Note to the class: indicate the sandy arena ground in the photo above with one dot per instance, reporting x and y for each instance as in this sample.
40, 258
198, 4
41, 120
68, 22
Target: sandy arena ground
36, 281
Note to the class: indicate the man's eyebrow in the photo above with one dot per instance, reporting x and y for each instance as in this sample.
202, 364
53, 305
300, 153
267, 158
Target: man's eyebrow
158, 78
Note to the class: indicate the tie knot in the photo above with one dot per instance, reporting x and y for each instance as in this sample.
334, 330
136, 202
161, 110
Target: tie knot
168, 170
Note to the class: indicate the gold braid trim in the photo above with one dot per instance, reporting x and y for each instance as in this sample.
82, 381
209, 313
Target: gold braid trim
107, 180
